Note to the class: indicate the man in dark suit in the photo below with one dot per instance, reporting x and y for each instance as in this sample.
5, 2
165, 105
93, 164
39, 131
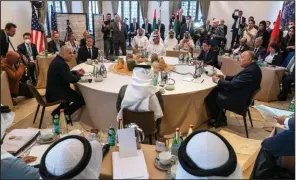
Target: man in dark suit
55, 45
188, 26
9, 30
119, 35
288, 79
207, 55
148, 28
242, 47
29, 50
233, 92
134, 26
180, 21
207, 27
239, 23
88, 51
224, 26
258, 50
161, 28
59, 78
106, 29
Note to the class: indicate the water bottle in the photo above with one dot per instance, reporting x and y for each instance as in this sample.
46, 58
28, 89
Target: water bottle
56, 124
155, 79
292, 105
111, 136
176, 142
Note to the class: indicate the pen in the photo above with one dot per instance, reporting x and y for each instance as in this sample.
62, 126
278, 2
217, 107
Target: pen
202, 81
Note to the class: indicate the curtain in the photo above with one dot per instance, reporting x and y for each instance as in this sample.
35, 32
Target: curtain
85, 6
144, 8
204, 8
173, 6
44, 11
114, 6
69, 6
100, 5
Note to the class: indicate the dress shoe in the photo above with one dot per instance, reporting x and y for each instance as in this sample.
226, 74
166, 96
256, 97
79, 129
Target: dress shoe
220, 124
211, 122
282, 97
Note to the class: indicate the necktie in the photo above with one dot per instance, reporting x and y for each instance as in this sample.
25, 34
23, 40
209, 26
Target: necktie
188, 27
255, 50
206, 54
135, 28
29, 50
89, 53
239, 22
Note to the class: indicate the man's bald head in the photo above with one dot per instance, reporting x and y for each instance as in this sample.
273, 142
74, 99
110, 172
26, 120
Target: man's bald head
66, 53
246, 58
243, 41
12, 57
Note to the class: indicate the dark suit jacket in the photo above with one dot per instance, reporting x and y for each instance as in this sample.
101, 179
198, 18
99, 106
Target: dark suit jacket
82, 42
265, 37
132, 28
205, 28
242, 48
162, 30
83, 54
277, 59
210, 59
184, 28
235, 91
260, 52
59, 78
235, 17
225, 29
119, 36
52, 48
4, 44
23, 50
105, 30
149, 29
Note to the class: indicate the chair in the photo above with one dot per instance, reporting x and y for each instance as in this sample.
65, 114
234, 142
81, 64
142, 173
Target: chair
42, 102
245, 111
145, 120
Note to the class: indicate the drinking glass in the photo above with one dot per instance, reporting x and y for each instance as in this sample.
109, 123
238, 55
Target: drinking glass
103, 135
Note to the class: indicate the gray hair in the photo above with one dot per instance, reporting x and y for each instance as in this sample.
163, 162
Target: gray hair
63, 50
260, 39
251, 54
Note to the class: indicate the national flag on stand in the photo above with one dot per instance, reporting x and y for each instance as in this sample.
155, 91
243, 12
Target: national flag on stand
154, 20
54, 26
275, 35
36, 32
176, 21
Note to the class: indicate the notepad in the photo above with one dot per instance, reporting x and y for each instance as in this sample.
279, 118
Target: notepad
129, 168
38, 152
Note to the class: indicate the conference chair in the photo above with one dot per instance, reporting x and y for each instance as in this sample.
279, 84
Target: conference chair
42, 102
144, 119
243, 112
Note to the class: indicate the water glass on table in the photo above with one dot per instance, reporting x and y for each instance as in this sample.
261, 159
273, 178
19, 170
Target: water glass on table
103, 135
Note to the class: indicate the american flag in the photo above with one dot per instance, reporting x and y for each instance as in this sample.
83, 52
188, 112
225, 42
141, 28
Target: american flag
54, 26
37, 33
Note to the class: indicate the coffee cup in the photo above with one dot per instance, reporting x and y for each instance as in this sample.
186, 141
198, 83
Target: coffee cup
173, 171
46, 136
165, 157
99, 78
89, 61
160, 146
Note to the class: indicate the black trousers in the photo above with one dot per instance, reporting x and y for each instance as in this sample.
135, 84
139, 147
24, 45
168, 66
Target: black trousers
23, 91
74, 102
235, 37
31, 72
108, 47
286, 84
213, 109
122, 46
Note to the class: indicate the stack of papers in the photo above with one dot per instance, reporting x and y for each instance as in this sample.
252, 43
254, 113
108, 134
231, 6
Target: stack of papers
269, 113
38, 152
17, 138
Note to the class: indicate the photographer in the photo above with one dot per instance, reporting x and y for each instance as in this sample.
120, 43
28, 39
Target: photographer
239, 23
108, 50
15, 67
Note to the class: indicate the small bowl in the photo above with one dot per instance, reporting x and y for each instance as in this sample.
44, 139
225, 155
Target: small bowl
165, 157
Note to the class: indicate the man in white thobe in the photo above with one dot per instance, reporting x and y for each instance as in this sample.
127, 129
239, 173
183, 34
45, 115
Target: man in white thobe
140, 40
170, 42
157, 47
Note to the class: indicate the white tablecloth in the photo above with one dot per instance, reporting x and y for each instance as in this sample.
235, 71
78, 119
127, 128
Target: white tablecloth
100, 98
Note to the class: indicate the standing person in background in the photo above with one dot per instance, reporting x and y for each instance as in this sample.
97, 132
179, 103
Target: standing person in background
250, 33
55, 44
288, 42
223, 26
9, 30
29, 50
268, 29
119, 35
161, 28
72, 43
148, 28
172, 20
106, 29
238, 25
83, 41
188, 26
262, 32
252, 18
134, 26
180, 21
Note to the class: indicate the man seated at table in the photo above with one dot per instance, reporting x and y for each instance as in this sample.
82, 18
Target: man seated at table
186, 43
140, 40
156, 47
288, 79
268, 164
72, 157
241, 47
29, 50
55, 45
88, 51
140, 94
170, 42
258, 50
15, 69
233, 92
155, 32
207, 155
208, 55
59, 78
72, 43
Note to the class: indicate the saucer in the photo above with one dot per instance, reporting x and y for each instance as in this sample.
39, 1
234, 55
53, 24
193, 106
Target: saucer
162, 167
41, 141
168, 174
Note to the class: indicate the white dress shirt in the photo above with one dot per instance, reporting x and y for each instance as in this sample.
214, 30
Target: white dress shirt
269, 58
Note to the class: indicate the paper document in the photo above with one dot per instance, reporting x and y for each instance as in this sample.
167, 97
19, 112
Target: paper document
129, 168
268, 112
127, 139
38, 152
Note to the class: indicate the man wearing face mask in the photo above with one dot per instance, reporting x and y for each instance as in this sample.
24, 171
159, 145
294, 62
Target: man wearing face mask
29, 50
140, 40
186, 43
56, 44
170, 43
9, 31
188, 26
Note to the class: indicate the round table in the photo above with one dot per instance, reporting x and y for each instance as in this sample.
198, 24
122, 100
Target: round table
182, 107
